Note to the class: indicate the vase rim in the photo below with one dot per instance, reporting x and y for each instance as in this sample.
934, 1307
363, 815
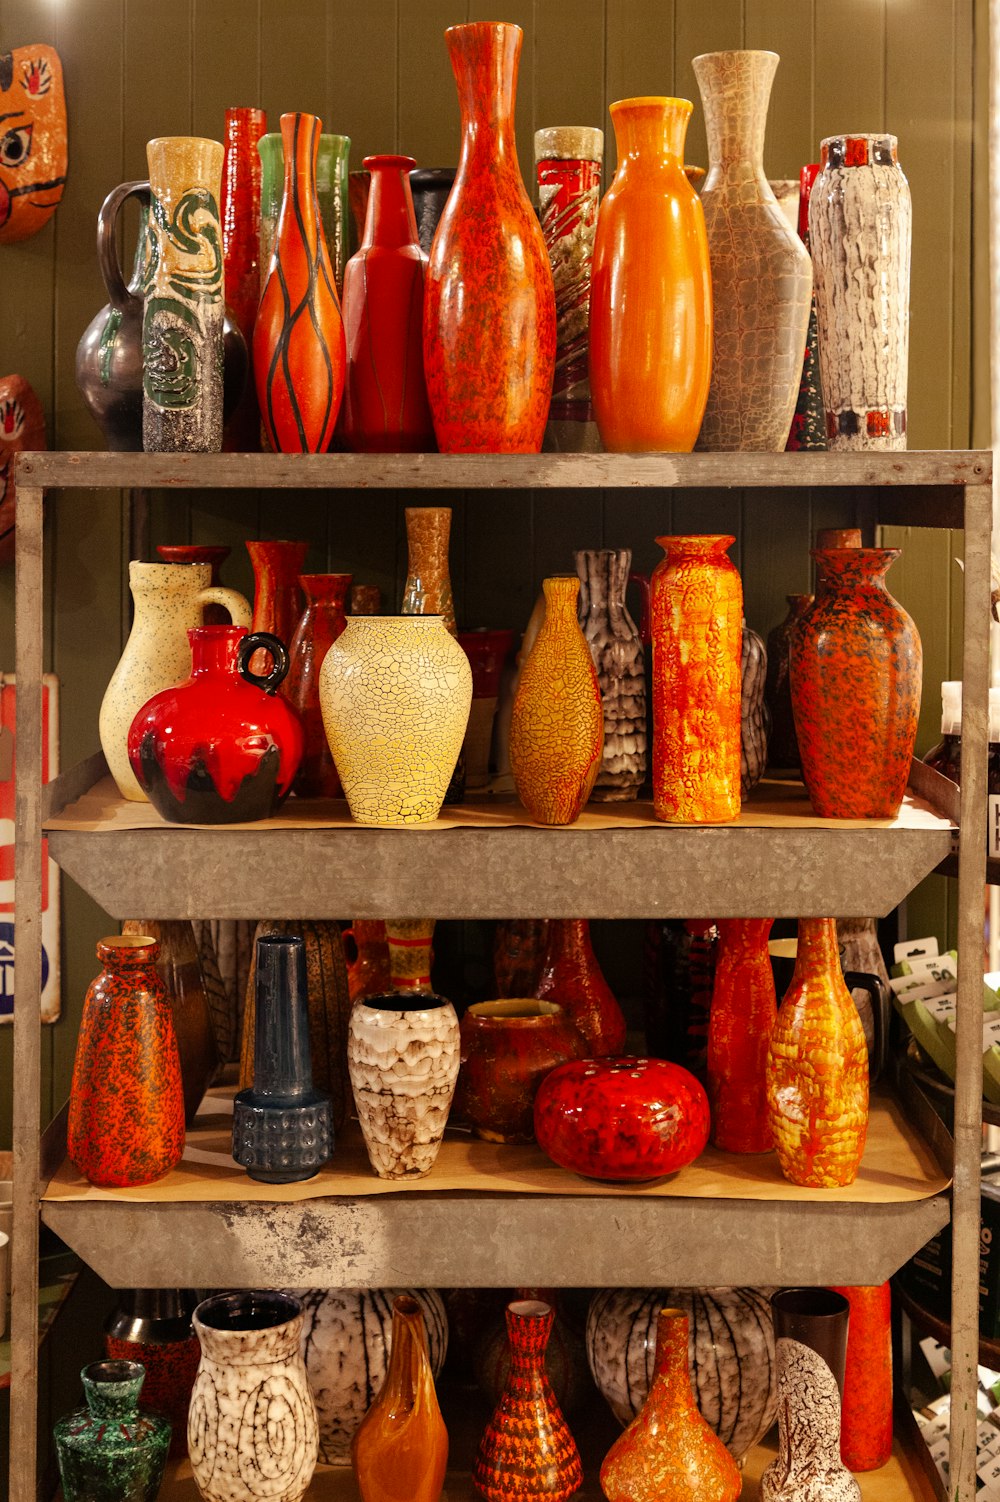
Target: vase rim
708, 541
139, 571
527, 1010
529, 1308
428, 174
292, 115
247, 1310
704, 57
652, 101
128, 949
833, 556
386, 161
860, 135
817, 1303
482, 26
113, 1369
163, 143
398, 619
403, 1001
568, 143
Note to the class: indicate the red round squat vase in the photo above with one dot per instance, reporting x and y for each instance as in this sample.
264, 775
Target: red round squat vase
385, 398
624, 1120
508, 1047
323, 621
220, 748
126, 1102
490, 306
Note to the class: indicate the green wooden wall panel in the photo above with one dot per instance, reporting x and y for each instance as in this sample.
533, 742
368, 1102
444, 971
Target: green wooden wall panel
702, 28
521, 12
639, 56
362, 100
154, 81
849, 72
225, 65
571, 93
775, 26
293, 52
424, 74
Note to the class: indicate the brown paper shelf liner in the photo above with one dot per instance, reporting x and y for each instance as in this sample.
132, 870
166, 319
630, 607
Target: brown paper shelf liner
772, 805
897, 1168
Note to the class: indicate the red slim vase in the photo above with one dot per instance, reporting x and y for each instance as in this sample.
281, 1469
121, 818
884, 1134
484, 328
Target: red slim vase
323, 621
527, 1450
278, 601
866, 1414
489, 309
572, 977
299, 357
385, 398
744, 1007
239, 211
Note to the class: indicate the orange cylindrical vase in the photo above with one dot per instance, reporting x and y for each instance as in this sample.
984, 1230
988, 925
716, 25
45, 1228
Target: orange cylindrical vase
651, 288
401, 1448
817, 1068
866, 1414
697, 615
739, 1033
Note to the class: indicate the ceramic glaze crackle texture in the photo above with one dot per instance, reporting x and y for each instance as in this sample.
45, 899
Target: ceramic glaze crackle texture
808, 1467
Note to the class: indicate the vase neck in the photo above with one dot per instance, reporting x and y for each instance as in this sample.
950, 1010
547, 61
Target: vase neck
837, 568
650, 132
735, 89
529, 1324
745, 938
300, 141
408, 1358
671, 1360
568, 938
561, 594
214, 649
428, 529
708, 549
111, 1388
603, 575
134, 955
818, 952
282, 1063
328, 591
390, 221
484, 58
277, 565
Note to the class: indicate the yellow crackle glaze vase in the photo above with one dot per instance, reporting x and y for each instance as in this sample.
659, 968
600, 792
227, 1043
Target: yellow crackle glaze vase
557, 729
395, 692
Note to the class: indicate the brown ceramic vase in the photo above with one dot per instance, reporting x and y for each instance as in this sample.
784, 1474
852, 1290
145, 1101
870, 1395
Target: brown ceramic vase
508, 1047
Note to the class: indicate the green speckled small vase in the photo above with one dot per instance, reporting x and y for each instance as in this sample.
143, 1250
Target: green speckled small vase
109, 1451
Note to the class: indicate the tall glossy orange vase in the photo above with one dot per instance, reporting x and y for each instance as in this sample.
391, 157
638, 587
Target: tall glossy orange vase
651, 288
817, 1068
299, 353
489, 306
697, 615
866, 1414
401, 1448
739, 1033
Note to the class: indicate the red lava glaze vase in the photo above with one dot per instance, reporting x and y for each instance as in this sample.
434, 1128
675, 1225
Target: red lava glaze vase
624, 1120
489, 308
669, 1453
299, 356
572, 978
527, 1450
215, 555
385, 398
855, 660
278, 601
739, 1032
126, 1102
220, 748
866, 1414
323, 621
508, 1047
239, 211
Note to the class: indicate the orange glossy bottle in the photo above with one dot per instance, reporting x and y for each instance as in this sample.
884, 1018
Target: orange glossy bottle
651, 288
401, 1448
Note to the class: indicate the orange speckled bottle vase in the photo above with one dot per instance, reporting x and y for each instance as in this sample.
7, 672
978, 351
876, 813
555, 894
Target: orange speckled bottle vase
668, 1453
557, 725
739, 1033
651, 288
527, 1450
489, 306
866, 1419
817, 1068
697, 621
401, 1448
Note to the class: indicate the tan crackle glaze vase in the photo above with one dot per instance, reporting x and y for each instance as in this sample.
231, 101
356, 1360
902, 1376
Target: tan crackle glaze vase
395, 693
761, 271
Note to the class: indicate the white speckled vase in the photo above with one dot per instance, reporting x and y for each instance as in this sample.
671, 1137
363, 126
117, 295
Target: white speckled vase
252, 1429
346, 1341
860, 225
395, 692
403, 1051
169, 602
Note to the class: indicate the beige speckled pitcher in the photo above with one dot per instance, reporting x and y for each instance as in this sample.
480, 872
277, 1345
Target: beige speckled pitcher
168, 603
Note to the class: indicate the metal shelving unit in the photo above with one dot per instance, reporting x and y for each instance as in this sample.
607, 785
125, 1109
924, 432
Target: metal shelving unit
793, 870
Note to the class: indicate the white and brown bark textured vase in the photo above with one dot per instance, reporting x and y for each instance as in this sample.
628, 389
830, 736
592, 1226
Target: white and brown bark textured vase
761, 272
616, 648
860, 222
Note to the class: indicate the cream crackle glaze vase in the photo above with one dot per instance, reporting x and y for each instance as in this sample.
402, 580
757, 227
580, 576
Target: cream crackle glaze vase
252, 1430
395, 692
169, 600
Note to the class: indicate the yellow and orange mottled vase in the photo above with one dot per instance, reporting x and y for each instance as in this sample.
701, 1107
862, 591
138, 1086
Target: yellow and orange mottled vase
697, 615
401, 1448
557, 728
411, 954
669, 1453
817, 1068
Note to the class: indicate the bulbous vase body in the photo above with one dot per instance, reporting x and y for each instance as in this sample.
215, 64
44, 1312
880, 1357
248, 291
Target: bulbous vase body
739, 1034
489, 308
651, 289
401, 1449
571, 977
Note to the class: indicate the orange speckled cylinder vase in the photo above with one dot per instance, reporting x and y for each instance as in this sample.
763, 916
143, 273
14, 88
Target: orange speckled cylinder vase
668, 1453
651, 288
697, 622
401, 1448
489, 306
866, 1416
817, 1068
739, 1033
557, 725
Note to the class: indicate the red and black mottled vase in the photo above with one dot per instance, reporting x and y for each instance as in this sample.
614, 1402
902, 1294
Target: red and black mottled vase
153, 1326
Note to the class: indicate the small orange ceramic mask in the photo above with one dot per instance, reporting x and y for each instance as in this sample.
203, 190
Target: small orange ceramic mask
22, 426
32, 140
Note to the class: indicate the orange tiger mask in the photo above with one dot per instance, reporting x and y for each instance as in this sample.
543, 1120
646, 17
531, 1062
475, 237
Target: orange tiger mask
32, 140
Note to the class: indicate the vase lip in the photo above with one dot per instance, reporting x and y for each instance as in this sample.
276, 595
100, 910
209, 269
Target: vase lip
247, 1310
398, 619
403, 1001
815, 1303
696, 542
569, 143
274, 542
161, 573
524, 1011
529, 1309
112, 1370
387, 162
212, 551
465, 28
326, 581
840, 559
428, 175
128, 949
406, 1305
860, 135
651, 101
292, 115
731, 52
165, 143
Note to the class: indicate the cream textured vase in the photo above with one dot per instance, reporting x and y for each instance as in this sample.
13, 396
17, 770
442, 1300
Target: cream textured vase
860, 223
252, 1431
169, 600
403, 1052
761, 272
395, 692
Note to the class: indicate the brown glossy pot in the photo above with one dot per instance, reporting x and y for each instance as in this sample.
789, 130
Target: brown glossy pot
508, 1047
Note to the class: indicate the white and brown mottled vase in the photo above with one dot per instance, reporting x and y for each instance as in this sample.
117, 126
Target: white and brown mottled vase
761, 272
860, 225
252, 1430
616, 647
403, 1050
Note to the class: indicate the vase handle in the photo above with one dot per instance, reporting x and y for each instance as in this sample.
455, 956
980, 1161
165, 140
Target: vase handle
855, 980
107, 253
263, 641
230, 599
641, 581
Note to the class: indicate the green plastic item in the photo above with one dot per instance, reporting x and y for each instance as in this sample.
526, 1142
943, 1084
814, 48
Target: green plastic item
937, 1039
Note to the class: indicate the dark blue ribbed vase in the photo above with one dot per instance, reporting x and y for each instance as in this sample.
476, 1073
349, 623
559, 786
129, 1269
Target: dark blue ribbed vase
282, 1126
